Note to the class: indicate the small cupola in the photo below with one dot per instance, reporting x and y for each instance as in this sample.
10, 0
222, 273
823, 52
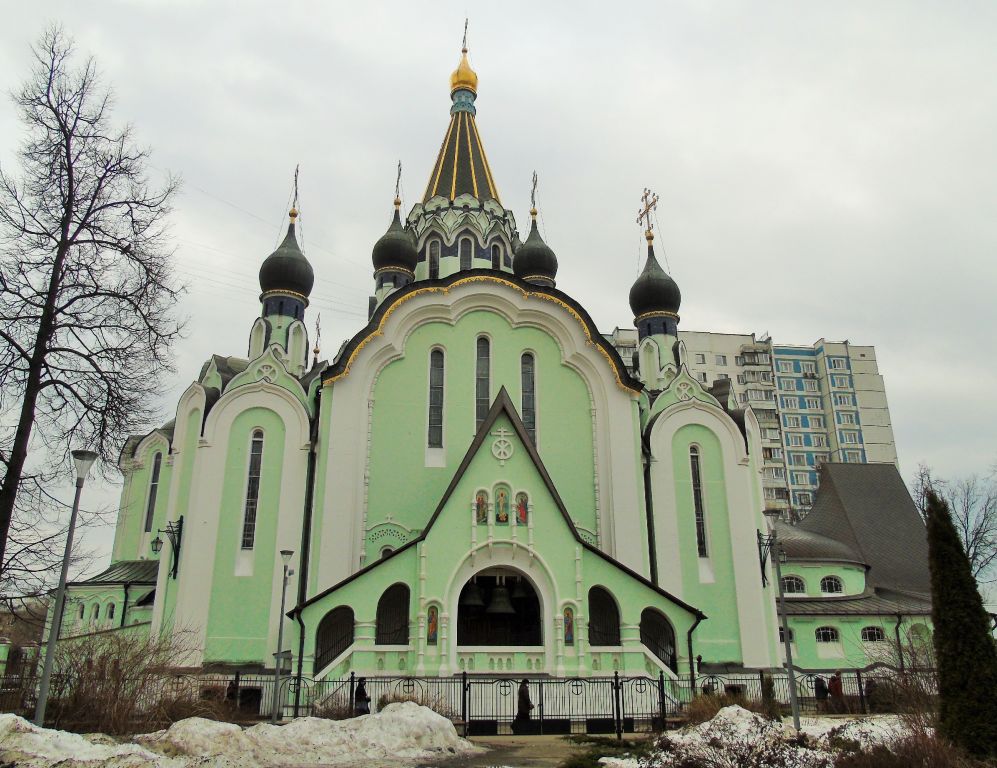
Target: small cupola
286, 271
534, 260
654, 297
395, 251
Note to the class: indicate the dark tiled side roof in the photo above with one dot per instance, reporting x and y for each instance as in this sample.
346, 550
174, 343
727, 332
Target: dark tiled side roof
877, 602
806, 545
125, 571
867, 507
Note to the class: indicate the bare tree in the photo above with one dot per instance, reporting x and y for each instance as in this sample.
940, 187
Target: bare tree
973, 503
86, 291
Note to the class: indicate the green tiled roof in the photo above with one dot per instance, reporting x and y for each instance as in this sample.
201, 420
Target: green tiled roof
125, 571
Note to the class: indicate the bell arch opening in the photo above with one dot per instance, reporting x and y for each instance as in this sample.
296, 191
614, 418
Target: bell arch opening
499, 607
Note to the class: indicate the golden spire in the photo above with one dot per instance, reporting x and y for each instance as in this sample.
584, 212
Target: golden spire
464, 76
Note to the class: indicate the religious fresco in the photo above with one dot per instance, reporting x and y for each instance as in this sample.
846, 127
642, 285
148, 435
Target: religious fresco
522, 508
502, 506
481, 508
432, 625
569, 627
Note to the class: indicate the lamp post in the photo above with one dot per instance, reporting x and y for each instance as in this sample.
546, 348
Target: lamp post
285, 555
83, 460
779, 557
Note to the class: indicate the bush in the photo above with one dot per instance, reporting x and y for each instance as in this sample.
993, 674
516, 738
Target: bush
333, 711
706, 706
915, 750
436, 703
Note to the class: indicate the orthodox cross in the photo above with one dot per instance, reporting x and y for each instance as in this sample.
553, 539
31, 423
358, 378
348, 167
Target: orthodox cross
502, 447
650, 201
464, 43
295, 203
318, 337
533, 192
398, 179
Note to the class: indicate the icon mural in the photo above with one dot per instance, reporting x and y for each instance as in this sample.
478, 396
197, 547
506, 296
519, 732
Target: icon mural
522, 508
569, 627
432, 625
502, 506
481, 507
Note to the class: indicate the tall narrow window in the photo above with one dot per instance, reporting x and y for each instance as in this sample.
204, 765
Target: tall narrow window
466, 252
529, 406
482, 377
150, 506
252, 490
697, 500
434, 259
496, 257
436, 398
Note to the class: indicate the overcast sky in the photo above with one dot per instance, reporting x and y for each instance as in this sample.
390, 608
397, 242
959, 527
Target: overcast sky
825, 169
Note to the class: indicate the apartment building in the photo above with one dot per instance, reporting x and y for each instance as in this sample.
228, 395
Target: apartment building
815, 403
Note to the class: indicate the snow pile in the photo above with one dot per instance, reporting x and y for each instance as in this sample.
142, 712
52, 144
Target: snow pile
401, 731
28, 746
737, 737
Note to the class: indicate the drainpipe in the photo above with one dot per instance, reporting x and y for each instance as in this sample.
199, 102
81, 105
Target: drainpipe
124, 605
692, 659
301, 657
900, 647
649, 514
306, 540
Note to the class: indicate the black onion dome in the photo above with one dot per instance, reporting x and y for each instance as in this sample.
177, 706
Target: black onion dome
654, 290
287, 269
395, 248
534, 258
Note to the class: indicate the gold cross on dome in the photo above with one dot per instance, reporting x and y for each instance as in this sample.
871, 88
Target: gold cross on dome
650, 201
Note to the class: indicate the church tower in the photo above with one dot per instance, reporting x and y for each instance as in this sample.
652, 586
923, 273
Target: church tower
286, 280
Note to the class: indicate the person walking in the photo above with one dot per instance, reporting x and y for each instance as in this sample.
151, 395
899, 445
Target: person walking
837, 693
820, 693
361, 699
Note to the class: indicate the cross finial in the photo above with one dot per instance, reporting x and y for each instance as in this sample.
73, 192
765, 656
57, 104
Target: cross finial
398, 185
463, 45
318, 338
650, 202
533, 196
294, 204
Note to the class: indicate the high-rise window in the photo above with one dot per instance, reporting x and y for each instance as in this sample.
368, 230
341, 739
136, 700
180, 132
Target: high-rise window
496, 257
527, 367
466, 252
482, 381
252, 490
150, 506
697, 500
436, 399
434, 259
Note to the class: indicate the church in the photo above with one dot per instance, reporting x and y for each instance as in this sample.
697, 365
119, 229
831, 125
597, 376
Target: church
475, 484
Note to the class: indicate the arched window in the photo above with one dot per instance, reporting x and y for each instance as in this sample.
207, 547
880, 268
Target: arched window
831, 585
150, 506
82, 611
527, 366
466, 250
385, 551
434, 259
496, 256
95, 613
252, 490
110, 612
482, 381
793, 585
657, 634
604, 618
392, 616
436, 361
873, 635
334, 635
826, 635
697, 500
782, 636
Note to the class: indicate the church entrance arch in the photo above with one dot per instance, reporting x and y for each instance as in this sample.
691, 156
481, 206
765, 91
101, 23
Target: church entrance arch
499, 607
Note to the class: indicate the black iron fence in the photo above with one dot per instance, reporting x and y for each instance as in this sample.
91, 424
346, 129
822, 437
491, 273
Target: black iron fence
492, 705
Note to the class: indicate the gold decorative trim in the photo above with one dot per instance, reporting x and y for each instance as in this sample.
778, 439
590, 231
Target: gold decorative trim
281, 292
657, 313
439, 161
470, 154
403, 270
484, 160
379, 330
456, 155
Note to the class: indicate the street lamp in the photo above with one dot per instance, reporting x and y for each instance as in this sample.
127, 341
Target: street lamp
778, 558
285, 555
83, 460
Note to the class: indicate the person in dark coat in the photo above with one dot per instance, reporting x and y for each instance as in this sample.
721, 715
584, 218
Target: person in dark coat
361, 699
525, 705
836, 692
820, 692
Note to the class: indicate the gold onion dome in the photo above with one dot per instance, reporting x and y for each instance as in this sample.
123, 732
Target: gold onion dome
464, 77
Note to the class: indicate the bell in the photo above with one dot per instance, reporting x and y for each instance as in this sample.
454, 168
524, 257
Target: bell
500, 604
518, 591
472, 596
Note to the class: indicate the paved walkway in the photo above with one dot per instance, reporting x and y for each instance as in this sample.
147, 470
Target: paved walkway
515, 752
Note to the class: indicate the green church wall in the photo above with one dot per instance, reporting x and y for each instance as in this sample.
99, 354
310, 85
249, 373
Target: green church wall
852, 576
130, 530
239, 613
851, 651
399, 419
718, 638
324, 405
